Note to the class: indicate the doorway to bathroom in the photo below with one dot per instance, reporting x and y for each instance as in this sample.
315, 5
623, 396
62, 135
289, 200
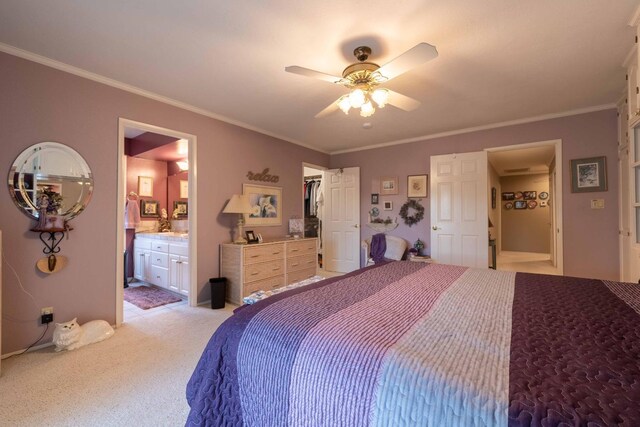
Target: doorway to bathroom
157, 220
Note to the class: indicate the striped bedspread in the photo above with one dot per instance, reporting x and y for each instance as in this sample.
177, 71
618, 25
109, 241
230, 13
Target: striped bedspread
413, 344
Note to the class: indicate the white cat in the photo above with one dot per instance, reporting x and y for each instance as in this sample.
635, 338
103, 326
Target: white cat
70, 335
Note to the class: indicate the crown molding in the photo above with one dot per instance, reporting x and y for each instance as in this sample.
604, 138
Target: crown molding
480, 128
52, 63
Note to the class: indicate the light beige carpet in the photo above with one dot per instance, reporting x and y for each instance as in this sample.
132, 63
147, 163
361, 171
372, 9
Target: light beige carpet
137, 377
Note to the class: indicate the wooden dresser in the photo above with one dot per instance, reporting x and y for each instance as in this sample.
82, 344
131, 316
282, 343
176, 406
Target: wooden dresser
266, 266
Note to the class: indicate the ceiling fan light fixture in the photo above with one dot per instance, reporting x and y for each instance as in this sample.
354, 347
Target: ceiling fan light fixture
367, 109
357, 98
344, 104
381, 97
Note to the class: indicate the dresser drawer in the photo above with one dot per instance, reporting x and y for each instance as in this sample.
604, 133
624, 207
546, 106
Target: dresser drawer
160, 247
297, 276
263, 270
263, 253
160, 259
159, 276
264, 285
305, 247
298, 263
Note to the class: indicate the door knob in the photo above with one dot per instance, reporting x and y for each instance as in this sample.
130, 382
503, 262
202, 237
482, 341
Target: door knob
435, 227
355, 226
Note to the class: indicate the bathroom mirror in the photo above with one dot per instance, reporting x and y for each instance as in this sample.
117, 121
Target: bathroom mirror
53, 169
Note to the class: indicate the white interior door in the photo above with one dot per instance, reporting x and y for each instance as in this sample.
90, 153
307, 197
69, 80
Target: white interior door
341, 220
459, 225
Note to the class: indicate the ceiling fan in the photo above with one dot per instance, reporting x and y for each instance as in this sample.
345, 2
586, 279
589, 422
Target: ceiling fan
363, 79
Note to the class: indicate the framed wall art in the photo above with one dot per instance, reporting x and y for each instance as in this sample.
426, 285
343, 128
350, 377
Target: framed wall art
529, 195
149, 208
180, 209
509, 195
387, 206
588, 175
389, 185
266, 204
374, 199
184, 189
520, 204
417, 186
145, 186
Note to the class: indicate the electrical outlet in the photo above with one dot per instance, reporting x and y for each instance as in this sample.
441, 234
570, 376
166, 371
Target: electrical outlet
46, 315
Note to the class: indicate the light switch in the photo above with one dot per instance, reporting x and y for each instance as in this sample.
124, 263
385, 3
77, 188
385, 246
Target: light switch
597, 203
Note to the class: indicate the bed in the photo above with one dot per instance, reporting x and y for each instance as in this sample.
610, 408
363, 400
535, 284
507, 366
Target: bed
414, 344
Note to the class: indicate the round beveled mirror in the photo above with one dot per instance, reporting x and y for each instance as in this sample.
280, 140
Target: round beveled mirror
53, 169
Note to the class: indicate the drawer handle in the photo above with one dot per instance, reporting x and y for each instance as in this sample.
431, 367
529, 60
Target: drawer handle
276, 269
255, 273
295, 250
293, 265
310, 262
157, 259
275, 253
157, 277
255, 256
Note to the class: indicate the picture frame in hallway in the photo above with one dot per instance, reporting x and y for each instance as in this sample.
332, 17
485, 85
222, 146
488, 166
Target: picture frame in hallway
529, 195
589, 174
374, 199
520, 204
184, 189
493, 197
387, 206
508, 195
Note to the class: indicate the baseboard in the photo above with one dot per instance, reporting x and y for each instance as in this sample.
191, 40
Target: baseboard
34, 348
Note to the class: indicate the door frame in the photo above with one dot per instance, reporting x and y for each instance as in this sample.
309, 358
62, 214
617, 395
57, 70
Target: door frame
309, 165
557, 206
120, 203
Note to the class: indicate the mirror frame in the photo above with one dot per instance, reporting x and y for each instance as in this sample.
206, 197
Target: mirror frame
18, 187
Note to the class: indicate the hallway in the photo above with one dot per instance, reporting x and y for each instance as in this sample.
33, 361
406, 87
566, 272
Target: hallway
526, 262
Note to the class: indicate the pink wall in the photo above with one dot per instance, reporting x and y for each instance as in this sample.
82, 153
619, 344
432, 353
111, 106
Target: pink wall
173, 190
590, 236
150, 168
42, 104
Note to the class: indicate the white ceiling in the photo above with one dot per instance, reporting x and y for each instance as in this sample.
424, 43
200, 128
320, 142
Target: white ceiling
500, 60
522, 161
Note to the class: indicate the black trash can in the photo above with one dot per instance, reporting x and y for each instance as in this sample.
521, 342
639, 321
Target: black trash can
218, 291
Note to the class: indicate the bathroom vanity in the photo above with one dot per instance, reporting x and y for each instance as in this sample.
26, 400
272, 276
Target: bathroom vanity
162, 259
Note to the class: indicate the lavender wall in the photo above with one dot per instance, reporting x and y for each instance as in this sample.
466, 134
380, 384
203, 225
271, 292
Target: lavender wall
590, 236
42, 104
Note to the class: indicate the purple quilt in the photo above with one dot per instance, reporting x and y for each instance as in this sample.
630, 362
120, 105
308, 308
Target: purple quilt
406, 343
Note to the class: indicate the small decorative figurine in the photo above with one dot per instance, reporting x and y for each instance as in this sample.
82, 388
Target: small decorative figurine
70, 335
419, 246
164, 224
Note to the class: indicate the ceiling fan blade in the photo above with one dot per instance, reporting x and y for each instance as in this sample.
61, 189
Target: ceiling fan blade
333, 107
417, 55
312, 73
403, 102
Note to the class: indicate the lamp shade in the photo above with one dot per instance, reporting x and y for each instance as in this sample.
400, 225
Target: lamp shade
239, 203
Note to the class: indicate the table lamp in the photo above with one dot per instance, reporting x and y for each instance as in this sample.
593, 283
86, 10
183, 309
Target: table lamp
239, 204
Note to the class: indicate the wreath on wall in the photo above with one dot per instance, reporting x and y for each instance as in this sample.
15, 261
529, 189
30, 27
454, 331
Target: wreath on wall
417, 211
